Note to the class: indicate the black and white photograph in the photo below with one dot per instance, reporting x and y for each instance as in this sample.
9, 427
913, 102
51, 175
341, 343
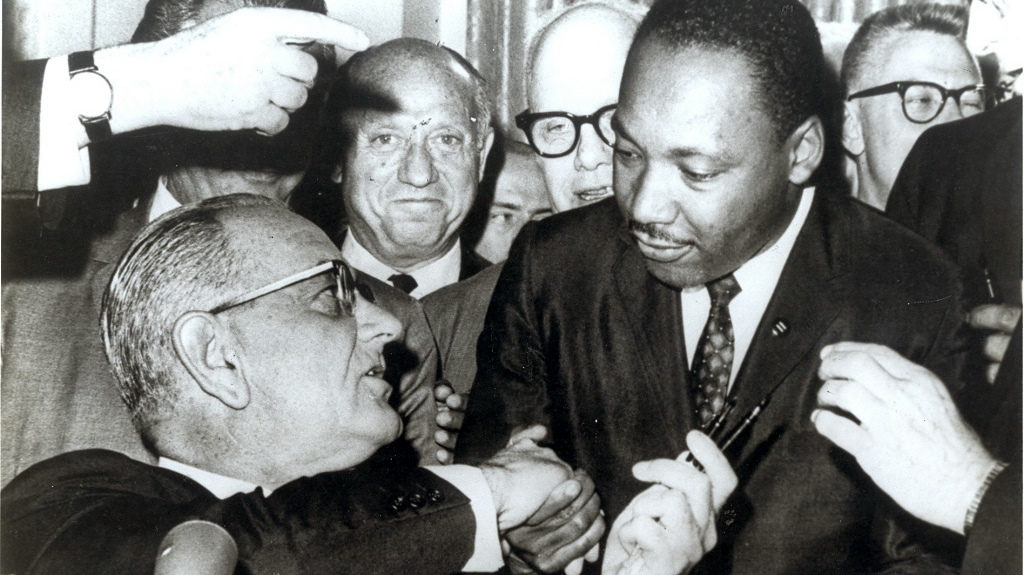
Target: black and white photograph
616, 287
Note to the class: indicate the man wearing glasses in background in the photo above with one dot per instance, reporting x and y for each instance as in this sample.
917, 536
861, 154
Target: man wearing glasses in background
906, 69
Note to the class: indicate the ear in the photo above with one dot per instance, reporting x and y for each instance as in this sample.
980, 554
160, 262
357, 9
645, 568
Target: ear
486, 149
337, 173
807, 148
208, 350
853, 133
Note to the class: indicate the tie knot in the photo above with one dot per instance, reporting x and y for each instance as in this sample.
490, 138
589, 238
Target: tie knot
723, 289
404, 282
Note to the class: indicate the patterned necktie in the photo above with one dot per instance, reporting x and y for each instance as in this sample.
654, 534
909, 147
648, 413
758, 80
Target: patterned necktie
404, 282
712, 362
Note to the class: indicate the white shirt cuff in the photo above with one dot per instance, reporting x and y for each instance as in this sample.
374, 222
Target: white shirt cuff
487, 555
61, 162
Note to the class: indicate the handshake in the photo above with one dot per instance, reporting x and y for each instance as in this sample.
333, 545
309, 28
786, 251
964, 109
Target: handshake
550, 517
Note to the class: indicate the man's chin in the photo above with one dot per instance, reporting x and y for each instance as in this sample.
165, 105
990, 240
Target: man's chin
678, 276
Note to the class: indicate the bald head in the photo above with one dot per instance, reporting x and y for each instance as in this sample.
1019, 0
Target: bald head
575, 67
584, 47
378, 79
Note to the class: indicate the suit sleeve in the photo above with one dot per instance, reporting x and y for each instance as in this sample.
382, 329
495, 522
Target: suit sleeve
107, 515
510, 389
23, 83
994, 544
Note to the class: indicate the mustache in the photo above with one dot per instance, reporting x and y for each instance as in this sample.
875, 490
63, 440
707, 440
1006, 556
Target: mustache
652, 231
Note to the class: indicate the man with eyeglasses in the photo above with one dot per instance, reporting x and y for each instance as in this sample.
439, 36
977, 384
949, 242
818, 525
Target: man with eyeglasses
251, 358
906, 69
572, 83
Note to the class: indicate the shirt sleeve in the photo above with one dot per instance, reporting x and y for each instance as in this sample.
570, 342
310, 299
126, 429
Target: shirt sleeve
61, 162
487, 556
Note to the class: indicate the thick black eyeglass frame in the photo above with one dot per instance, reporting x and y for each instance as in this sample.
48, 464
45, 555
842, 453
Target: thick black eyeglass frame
903, 86
525, 121
346, 288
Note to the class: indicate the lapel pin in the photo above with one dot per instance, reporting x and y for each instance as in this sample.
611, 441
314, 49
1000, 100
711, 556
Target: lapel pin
780, 328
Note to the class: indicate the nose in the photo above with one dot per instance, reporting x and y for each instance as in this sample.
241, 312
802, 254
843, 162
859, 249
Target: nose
651, 201
377, 326
591, 152
417, 167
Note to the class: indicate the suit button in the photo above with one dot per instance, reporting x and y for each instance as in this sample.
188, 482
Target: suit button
416, 500
398, 504
435, 496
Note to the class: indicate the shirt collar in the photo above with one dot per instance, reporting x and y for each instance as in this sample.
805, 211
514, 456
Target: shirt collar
163, 201
762, 271
221, 486
429, 278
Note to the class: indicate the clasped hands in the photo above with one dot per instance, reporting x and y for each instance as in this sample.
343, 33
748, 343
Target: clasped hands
550, 517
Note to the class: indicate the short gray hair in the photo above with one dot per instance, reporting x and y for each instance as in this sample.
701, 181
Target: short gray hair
181, 262
945, 19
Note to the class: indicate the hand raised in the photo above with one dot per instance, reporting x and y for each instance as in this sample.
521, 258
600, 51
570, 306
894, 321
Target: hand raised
908, 435
243, 70
670, 526
999, 320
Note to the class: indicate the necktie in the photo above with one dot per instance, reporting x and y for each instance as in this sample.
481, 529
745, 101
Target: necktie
404, 282
712, 362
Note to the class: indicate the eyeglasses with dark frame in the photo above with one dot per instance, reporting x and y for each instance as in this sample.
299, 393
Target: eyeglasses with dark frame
924, 101
346, 287
549, 132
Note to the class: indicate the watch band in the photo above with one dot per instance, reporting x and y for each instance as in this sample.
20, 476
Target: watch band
96, 127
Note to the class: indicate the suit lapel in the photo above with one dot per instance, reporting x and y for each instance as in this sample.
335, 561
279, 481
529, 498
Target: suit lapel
806, 301
653, 315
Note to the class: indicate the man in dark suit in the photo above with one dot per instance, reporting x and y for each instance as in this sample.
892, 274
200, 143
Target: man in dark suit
715, 255
252, 360
409, 127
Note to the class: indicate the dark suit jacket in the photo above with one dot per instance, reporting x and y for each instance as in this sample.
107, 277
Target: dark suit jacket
23, 84
99, 512
456, 317
961, 188
580, 337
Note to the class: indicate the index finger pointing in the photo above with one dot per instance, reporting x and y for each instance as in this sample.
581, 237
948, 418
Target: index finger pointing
298, 26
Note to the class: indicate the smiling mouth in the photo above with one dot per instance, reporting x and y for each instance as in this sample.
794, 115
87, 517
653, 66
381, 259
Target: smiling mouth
594, 194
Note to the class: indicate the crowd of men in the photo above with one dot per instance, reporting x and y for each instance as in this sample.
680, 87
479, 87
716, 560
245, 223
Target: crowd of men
714, 356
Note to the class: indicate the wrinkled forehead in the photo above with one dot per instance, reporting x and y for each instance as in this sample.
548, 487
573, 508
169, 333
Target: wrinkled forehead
275, 243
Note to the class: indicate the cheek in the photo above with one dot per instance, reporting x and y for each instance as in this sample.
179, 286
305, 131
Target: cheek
558, 173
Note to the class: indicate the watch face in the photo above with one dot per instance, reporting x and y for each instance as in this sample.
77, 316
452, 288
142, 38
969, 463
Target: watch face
92, 94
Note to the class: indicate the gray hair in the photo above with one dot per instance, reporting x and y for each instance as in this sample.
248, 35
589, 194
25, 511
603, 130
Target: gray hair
872, 34
181, 262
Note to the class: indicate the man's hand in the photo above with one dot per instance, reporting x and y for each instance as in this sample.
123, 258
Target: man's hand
566, 528
910, 438
670, 526
451, 409
521, 477
1000, 320
243, 70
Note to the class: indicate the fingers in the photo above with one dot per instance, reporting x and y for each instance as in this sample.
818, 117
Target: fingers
531, 434
861, 361
840, 430
716, 466
450, 420
853, 397
286, 94
300, 26
457, 401
442, 389
584, 545
997, 317
294, 64
995, 346
445, 438
560, 499
270, 120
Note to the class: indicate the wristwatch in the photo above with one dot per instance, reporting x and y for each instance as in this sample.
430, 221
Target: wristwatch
92, 94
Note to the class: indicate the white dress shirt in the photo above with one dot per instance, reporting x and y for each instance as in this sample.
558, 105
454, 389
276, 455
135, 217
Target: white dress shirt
469, 480
758, 279
61, 162
429, 278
